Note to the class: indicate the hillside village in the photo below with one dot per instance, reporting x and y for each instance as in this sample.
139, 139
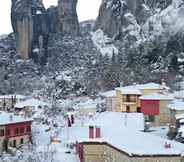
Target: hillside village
137, 123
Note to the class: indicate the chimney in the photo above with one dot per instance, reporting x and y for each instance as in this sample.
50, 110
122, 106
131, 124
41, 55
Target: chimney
167, 145
98, 132
72, 119
91, 132
69, 122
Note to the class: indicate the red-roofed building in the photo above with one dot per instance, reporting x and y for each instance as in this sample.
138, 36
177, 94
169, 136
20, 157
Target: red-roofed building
14, 131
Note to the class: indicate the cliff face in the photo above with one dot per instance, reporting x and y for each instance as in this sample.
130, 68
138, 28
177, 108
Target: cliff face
112, 13
68, 19
29, 26
22, 23
32, 24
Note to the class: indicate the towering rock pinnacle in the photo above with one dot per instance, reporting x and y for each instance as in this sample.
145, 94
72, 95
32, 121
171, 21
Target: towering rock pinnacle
112, 14
112, 17
68, 19
29, 26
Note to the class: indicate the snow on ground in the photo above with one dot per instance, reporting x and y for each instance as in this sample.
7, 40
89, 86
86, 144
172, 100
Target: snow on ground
159, 131
103, 43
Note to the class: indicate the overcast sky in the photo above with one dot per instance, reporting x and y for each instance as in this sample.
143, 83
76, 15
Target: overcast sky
87, 9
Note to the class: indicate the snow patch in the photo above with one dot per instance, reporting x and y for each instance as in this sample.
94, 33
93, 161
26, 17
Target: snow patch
103, 43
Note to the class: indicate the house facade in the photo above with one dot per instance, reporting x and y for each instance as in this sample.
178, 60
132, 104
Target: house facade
8, 101
155, 108
110, 100
176, 114
104, 152
14, 131
126, 99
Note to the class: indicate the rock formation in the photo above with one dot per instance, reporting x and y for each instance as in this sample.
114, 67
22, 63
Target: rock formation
32, 24
30, 27
68, 19
112, 13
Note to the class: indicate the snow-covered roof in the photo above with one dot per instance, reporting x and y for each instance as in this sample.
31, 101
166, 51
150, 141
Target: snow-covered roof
12, 95
156, 96
9, 118
122, 131
180, 116
88, 104
111, 93
150, 85
31, 102
129, 90
177, 105
179, 94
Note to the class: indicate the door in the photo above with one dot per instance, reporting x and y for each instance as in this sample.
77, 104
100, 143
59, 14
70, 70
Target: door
127, 109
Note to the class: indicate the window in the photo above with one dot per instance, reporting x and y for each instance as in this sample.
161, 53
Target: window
8, 132
150, 118
127, 98
1, 132
28, 129
22, 130
138, 109
14, 143
16, 131
22, 141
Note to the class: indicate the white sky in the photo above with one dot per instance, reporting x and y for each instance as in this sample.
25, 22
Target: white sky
87, 9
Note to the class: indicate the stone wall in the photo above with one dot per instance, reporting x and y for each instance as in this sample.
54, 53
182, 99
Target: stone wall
106, 153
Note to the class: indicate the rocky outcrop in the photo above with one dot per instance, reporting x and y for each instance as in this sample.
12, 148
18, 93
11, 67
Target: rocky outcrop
30, 27
52, 19
112, 13
68, 19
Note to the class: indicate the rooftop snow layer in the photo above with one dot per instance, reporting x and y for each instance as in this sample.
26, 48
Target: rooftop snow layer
109, 93
177, 105
7, 118
150, 85
122, 130
89, 104
130, 90
31, 102
156, 96
12, 95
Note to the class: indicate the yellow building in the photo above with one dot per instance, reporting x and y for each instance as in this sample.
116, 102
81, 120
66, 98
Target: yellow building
127, 98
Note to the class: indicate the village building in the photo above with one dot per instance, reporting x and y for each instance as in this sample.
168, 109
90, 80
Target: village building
30, 106
110, 100
176, 114
155, 108
14, 131
126, 99
8, 101
89, 106
114, 136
